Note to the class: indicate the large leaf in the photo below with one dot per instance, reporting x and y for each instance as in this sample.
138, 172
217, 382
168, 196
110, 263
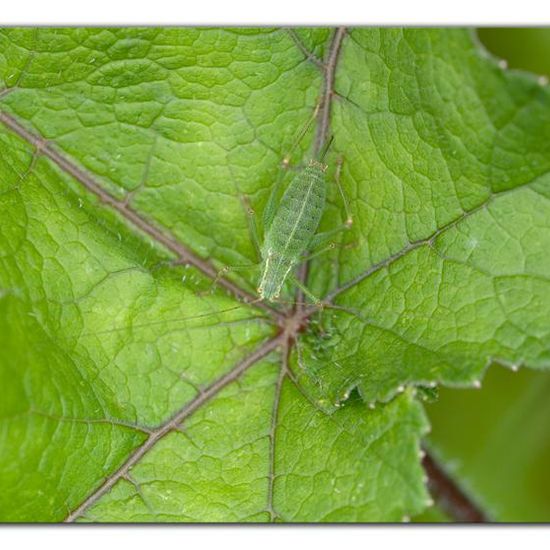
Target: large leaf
447, 163
139, 391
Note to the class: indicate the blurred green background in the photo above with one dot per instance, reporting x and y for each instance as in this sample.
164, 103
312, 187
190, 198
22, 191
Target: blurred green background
522, 48
496, 440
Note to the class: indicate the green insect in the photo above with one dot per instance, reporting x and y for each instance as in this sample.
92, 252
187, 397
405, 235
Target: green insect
290, 229
290, 226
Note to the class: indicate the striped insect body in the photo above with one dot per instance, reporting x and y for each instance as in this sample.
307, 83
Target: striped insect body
289, 232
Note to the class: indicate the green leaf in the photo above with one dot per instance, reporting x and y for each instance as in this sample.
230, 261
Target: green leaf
139, 390
447, 161
129, 375
319, 468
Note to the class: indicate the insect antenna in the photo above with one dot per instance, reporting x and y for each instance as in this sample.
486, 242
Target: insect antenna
303, 132
325, 149
180, 319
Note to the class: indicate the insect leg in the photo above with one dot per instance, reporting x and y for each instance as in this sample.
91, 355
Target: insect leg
321, 238
313, 255
271, 206
305, 290
339, 162
225, 270
252, 226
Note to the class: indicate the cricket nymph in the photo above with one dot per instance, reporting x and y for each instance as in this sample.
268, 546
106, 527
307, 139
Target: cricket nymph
292, 228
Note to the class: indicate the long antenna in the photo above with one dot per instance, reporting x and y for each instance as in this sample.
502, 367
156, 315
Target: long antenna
325, 149
302, 133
